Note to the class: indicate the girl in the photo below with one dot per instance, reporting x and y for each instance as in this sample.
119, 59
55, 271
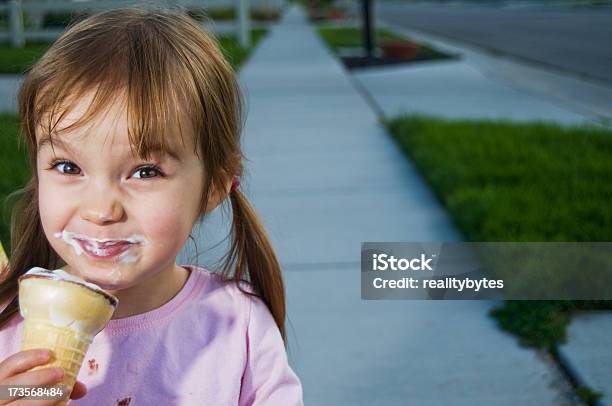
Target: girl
132, 121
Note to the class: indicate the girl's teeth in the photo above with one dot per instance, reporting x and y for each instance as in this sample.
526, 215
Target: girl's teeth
104, 244
101, 250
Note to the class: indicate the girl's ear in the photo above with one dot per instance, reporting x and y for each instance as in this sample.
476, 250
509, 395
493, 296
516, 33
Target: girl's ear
216, 197
227, 183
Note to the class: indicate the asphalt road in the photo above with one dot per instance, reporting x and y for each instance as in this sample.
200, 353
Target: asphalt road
572, 40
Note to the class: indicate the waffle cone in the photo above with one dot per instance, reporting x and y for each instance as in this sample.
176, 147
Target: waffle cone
69, 348
64, 317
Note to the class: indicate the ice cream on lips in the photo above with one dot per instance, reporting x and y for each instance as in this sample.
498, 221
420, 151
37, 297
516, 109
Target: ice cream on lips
101, 247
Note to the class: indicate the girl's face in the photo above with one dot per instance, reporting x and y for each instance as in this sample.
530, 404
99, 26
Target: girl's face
114, 218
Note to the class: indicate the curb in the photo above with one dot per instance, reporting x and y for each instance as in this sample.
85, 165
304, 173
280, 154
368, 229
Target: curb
572, 372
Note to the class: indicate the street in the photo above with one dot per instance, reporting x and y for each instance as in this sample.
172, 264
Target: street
571, 40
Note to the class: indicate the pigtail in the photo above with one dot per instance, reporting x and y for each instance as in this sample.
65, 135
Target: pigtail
252, 253
29, 248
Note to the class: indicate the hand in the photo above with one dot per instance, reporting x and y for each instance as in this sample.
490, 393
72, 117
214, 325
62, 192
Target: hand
14, 371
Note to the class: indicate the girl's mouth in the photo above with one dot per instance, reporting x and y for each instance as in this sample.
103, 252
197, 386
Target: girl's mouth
104, 251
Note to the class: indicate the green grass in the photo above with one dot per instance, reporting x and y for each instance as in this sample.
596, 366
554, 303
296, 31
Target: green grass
14, 168
348, 37
51, 19
542, 323
588, 395
60, 19
18, 60
504, 181
236, 54
14, 171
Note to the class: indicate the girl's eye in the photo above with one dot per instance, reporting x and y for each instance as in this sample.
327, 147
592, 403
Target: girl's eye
68, 167
149, 169
144, 172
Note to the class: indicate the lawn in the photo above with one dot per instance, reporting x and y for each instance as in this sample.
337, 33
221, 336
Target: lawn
14, 168
503, 181
17, 60
348, 37
235, 53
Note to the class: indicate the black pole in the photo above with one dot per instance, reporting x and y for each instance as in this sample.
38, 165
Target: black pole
367, 27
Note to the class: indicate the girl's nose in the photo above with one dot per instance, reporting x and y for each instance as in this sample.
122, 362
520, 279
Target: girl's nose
101, 207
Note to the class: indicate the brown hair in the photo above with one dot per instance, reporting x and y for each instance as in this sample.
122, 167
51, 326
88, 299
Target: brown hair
168, 68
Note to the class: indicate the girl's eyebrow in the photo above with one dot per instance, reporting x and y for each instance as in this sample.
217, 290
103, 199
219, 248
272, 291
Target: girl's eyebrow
167, 152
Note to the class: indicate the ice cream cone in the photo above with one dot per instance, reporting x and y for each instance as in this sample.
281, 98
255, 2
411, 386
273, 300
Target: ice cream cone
64, 314
3, 264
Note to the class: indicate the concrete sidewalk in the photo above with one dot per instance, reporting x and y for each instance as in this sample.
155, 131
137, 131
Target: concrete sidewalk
324, 177
456, 90
587, 352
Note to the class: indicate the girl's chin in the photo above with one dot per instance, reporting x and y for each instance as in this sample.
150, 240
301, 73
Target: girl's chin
110, 277
108, 286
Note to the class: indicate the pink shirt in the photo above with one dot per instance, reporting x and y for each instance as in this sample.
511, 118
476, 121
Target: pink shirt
210, 345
